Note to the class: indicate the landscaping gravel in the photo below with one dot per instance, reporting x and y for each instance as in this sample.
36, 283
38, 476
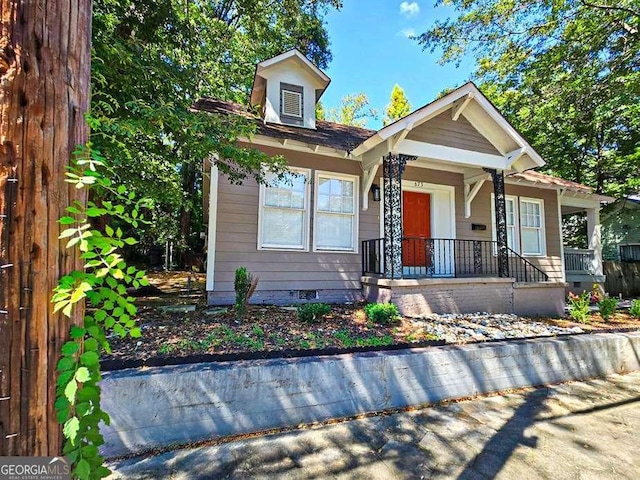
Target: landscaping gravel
477, 327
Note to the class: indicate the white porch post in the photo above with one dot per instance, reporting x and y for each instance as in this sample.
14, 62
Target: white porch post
595, 237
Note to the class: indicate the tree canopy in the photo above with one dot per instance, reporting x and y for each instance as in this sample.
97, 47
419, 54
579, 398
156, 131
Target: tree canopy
354, 110
153, 59
565, 73
398, 106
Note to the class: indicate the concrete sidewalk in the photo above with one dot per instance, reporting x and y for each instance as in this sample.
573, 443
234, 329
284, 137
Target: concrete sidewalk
585, 430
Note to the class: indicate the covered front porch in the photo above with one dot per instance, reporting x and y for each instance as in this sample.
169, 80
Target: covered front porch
450, 239
425, 274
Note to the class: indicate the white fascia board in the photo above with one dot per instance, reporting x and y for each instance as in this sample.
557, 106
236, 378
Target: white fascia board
506, 126
297, 146
453, 155
582, 201
290, 54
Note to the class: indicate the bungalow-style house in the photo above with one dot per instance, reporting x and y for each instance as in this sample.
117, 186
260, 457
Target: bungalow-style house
440, 211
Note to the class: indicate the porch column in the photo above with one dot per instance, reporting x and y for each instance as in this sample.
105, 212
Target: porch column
500, 220
393, 166
595, 238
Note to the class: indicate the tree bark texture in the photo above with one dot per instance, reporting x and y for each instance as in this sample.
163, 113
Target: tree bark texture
44, 94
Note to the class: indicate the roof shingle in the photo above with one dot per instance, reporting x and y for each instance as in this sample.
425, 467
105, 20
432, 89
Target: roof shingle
326, 134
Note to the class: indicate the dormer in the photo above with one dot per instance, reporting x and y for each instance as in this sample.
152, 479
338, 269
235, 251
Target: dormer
287, 88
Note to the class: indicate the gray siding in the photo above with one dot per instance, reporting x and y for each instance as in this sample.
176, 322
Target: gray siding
237, 233
442, 130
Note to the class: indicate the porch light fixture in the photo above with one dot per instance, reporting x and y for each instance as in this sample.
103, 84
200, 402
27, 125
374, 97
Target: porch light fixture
375, 191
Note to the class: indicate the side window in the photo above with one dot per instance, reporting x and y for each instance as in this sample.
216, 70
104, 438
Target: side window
291, 104
532, 226
525, 224
284, 212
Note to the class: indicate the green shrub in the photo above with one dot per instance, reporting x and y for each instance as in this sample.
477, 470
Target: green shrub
634, 311
313, 312
244, 284
382, 313
607, 307
579, 306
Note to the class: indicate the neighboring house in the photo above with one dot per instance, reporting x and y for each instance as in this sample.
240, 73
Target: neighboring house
437, 212
621, 230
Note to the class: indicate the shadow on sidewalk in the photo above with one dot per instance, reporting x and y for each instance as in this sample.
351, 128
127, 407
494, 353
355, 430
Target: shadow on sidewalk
500, 447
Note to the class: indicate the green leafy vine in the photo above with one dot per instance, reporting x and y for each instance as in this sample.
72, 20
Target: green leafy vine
102, 283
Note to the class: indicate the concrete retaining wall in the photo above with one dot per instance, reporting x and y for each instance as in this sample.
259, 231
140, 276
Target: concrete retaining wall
178, 404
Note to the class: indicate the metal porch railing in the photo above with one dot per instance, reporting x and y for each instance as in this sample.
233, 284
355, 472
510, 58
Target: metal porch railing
444, 257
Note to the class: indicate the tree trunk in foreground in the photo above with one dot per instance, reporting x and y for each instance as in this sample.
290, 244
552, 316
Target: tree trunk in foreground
44, 94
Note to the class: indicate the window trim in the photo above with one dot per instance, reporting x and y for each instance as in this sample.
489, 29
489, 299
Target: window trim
356, 220
305, 217
543, 237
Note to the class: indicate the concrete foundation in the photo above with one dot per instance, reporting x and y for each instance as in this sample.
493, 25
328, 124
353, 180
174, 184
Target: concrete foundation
423, 296
179, 404
441, 295
288, 297
539, 299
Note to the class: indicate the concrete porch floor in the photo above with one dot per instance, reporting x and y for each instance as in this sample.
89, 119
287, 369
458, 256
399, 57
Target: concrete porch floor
583, 430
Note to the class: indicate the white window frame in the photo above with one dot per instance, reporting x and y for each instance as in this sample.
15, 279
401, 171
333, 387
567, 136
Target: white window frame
516, 234
304, 247
517, 241
543, 238
355, 214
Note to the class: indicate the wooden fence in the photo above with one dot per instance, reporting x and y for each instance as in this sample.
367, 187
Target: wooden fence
622, 278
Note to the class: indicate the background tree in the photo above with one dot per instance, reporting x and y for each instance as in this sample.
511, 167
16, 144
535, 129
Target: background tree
153, 60
355, 110
320, 114
44, 73
566, 74
398, 106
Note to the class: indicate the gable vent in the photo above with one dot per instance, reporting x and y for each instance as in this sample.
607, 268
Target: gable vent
292, 103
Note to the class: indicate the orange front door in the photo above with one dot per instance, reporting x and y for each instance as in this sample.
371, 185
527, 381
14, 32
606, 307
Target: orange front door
416, 224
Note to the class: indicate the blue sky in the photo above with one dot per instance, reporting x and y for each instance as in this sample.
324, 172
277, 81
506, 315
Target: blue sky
371, 52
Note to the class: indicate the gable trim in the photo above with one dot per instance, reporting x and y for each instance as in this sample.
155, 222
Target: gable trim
463, 96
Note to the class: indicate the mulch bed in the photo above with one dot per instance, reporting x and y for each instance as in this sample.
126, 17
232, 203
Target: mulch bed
271, 331
262, 329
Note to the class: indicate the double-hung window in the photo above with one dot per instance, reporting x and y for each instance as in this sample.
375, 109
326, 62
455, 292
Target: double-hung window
284, 211
336, 212
525, 224
532, 226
